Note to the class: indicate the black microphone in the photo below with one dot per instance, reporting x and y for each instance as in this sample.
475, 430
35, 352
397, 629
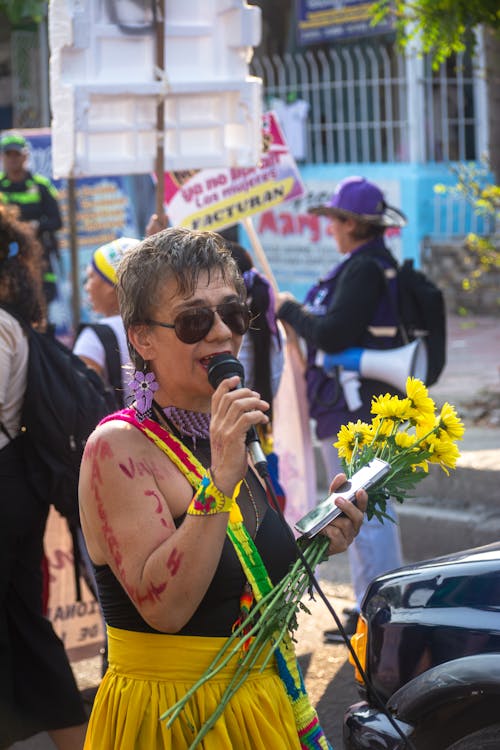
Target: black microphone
224, 366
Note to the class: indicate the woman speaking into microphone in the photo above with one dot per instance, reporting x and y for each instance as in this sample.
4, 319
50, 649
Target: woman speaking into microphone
158, 484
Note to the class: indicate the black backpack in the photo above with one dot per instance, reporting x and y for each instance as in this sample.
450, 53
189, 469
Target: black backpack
107, 337
63, 402
421, 314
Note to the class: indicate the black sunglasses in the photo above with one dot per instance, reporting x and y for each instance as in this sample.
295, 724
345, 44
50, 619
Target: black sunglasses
192, 325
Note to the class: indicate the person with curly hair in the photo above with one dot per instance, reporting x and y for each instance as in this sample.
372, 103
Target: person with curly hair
38, 202
38, 691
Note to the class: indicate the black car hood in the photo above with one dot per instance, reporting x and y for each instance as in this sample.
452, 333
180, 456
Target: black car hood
488, 556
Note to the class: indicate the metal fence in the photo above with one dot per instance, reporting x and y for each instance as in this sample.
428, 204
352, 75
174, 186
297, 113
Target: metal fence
366, 102
30, 77
26, 87
450, 117
360, 98
455, 217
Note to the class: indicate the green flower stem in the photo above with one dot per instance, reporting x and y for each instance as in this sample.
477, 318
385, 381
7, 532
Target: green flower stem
421, 440
233, 644
313, 554
237, 680
230, 649
354, 451
299, 584
276, 610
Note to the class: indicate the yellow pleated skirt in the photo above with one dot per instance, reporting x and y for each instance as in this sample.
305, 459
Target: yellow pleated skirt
148, 673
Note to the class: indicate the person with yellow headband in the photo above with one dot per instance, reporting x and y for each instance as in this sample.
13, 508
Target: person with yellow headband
103, 347
98, 345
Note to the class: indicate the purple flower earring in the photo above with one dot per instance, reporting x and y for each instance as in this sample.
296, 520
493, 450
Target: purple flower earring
143, 385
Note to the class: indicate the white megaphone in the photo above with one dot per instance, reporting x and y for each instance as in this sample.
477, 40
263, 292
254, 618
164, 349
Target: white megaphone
391, 366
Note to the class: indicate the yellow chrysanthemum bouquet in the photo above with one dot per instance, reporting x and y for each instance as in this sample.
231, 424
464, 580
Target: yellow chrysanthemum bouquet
409, 434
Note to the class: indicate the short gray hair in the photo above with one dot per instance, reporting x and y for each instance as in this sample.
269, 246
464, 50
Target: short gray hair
176, 253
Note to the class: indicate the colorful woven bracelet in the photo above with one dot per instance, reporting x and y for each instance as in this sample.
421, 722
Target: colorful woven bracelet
209, 500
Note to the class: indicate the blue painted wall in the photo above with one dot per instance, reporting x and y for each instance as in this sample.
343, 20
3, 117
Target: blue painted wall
416, 186
298, 257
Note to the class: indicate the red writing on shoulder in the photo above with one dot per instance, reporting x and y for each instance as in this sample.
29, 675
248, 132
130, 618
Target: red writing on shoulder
97, 451
141, 468
99, 448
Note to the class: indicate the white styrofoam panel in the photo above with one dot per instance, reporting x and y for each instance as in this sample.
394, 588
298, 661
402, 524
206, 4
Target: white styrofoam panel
105, 91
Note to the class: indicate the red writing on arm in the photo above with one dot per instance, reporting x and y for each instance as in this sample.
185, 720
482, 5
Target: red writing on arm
114, 548
152, 594
166, 523
174, 561
152, 493
98, 452
97, 449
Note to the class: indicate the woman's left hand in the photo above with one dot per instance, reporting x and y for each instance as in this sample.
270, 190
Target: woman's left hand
342, 531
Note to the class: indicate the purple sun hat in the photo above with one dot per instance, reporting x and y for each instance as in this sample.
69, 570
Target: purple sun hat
362, 200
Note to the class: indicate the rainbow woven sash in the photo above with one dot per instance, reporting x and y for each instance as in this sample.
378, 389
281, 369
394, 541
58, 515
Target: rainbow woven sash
309, 731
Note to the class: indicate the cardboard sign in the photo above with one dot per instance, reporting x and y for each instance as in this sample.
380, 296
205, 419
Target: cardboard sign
293, 439
78, 624
211, 199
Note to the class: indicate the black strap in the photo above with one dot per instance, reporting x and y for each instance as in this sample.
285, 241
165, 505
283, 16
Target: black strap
108, 339
394, 308
77, 560
4, 430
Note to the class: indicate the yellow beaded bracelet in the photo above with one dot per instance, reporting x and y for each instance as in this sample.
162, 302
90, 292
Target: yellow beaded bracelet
209, 500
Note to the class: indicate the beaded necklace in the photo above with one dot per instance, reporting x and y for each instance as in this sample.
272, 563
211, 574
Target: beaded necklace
188, 423
254, 506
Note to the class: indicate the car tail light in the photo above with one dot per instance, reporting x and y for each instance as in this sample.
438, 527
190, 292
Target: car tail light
359, 642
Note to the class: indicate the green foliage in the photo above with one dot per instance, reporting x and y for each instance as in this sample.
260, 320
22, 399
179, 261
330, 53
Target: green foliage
442, 26
474, 185
19, 11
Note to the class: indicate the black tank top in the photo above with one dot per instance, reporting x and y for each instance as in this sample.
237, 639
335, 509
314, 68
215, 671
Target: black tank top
220, 607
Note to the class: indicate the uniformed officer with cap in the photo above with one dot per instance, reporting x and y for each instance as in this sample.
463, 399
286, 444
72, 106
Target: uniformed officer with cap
36, 198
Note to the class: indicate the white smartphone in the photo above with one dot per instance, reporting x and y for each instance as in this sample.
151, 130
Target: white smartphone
326, 511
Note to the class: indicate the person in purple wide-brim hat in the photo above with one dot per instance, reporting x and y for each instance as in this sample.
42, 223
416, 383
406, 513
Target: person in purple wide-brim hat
351, 307
363, 201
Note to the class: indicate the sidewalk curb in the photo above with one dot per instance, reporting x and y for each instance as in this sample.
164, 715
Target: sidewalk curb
428, 532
